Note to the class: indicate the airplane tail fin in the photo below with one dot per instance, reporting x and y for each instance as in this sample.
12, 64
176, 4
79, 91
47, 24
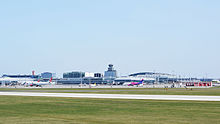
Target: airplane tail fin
50, 80
141, 82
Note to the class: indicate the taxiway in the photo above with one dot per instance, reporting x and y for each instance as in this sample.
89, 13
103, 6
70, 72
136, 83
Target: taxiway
116, 96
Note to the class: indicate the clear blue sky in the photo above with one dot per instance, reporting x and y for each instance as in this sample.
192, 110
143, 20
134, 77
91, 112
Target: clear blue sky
174, 36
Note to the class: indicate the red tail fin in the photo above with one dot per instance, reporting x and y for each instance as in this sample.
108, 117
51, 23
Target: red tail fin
50, 80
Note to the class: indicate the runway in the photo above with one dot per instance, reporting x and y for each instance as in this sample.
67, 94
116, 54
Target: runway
116, 96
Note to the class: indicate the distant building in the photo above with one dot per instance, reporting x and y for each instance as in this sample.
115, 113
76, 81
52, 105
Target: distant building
129, 79
89, 74
151, 74
47, 75
110, 74
78, 77
85, 80
21, 76
98, 75
79, 74
75, 74
158, 77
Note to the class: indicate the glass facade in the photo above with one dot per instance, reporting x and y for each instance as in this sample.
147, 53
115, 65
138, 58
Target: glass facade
47, 75
97, 75
74, 75
110, 74
89, 80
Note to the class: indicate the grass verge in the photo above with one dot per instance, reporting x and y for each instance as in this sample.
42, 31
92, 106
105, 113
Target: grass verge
146, 91
18, 109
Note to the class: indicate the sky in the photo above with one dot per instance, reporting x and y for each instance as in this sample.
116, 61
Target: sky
173, 36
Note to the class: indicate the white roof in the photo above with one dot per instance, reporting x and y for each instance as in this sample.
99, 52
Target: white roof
134, 78
14, 79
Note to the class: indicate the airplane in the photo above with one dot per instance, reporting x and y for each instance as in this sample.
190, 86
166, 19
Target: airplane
10, 80
215, 81
93, 85
136, 83
39, 83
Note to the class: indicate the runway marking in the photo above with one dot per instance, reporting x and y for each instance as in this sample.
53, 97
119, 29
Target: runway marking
116, 96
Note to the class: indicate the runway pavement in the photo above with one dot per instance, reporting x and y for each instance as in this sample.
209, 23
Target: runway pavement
116, 96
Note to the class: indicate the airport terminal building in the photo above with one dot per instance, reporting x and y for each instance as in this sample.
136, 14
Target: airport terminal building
78, 77
149, 78
108, 77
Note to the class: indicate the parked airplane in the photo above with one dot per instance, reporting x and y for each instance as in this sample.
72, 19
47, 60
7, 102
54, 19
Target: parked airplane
9, 80
93, 85
39, 83
136, 83
215, 81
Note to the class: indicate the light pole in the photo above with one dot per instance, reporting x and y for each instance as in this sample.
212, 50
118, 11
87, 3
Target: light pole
81, 78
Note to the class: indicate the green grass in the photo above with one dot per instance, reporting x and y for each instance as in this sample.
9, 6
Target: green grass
147, 91
209, 92
18, 109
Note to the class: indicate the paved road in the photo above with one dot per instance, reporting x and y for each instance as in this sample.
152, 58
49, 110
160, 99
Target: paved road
116, 96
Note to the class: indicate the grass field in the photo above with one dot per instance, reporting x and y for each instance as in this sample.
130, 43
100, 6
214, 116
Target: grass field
150, 91
18, 109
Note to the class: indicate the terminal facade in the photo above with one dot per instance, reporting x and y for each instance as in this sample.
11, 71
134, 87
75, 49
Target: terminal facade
108, 77
78, 77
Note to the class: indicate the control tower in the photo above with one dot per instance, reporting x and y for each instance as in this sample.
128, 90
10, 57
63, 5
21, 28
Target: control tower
110, 74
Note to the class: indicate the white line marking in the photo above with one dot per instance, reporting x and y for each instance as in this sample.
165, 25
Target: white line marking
117, 96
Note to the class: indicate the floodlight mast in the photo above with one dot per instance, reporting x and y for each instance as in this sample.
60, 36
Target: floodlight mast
81, 78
